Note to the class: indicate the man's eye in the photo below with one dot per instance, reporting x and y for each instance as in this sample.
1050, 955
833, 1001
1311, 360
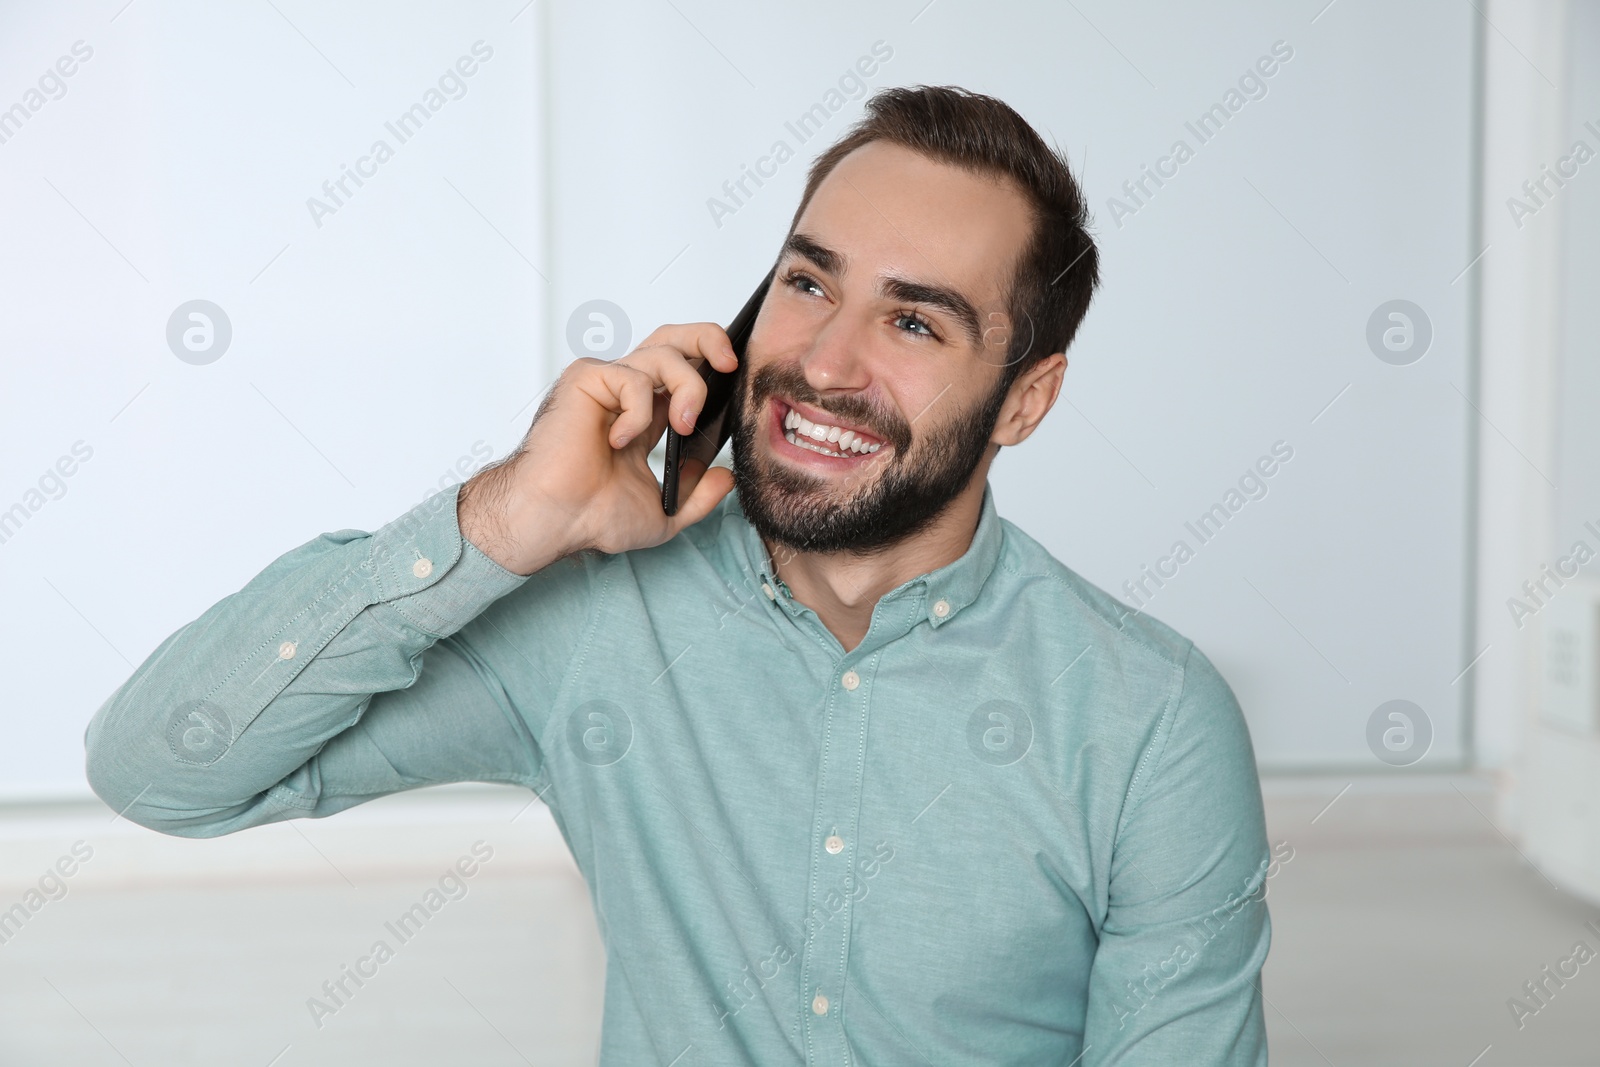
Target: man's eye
917, 321
797, 280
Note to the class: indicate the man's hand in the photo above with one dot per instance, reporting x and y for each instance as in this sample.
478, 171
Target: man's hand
581, 479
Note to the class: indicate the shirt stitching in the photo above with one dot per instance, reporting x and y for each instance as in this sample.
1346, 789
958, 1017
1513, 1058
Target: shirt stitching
816, 866
296, 666
1155, 749
869, 676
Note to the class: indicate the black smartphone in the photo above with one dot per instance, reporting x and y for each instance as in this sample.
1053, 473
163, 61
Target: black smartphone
713, 427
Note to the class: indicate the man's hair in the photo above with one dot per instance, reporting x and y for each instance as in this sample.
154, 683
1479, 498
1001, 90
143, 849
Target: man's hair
1057, 272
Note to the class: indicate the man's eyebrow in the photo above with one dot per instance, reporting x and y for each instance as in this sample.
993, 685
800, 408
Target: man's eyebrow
946, 299
903, 289
800, 244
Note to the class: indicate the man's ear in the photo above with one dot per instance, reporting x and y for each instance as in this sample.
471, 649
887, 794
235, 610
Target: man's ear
1029, 398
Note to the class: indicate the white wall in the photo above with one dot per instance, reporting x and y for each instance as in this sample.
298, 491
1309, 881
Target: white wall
1544, 393
369, 355
372, 353
1524, 127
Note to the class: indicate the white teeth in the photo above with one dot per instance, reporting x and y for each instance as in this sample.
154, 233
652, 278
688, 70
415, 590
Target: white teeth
847, 441
793, 440
855, 447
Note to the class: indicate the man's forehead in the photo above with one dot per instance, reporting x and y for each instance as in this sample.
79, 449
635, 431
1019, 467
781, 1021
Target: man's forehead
887, 208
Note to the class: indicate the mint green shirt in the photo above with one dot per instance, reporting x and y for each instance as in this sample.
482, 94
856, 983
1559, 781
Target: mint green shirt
1015, 825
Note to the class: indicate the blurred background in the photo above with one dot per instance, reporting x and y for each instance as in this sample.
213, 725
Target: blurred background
271, 268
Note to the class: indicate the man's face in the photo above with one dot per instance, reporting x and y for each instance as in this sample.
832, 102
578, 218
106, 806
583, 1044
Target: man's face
885, 325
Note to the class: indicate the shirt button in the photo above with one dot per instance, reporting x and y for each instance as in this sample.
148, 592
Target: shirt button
286, 650
850, 680
422, 568
942, 608
767, 589
834, 844
819, 1005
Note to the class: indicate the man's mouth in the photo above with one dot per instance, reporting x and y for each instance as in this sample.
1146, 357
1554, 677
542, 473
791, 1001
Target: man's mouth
823, 437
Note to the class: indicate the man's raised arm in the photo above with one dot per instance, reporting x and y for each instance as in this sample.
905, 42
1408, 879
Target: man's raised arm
357, 664
329, 679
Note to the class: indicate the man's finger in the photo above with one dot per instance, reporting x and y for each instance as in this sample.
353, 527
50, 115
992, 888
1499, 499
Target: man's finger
669, 370
709, 486
702, 340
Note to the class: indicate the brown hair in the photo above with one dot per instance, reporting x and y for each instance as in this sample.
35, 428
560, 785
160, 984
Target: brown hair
1058, 270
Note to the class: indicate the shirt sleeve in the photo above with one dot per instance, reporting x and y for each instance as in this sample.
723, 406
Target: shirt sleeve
1176, 976
351, 667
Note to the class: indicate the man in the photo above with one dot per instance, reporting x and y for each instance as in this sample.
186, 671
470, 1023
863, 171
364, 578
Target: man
855, 770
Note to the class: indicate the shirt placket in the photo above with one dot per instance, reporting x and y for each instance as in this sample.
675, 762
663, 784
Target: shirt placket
832, 888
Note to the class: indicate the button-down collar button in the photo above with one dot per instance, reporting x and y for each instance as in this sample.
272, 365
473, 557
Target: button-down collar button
422, 568
834, 844
286, 650
942, 608
819, 1005
850, 680
767, 589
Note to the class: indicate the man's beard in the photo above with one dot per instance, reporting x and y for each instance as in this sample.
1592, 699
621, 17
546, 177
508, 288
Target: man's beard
798, 509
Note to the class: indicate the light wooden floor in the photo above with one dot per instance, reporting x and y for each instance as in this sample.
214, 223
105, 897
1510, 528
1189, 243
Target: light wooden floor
129, 969
1402, 925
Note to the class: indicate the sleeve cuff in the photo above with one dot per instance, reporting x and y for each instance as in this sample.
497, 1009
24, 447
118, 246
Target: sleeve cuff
432, 576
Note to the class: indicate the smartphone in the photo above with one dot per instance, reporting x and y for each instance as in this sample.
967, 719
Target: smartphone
713, 427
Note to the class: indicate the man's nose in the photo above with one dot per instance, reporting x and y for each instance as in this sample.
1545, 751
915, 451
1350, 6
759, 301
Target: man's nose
838, 356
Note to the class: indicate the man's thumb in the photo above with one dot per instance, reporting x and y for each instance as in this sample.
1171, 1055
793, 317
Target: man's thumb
710, 486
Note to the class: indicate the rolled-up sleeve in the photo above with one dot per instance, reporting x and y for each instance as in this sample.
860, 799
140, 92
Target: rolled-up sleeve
345, 670
1176, 975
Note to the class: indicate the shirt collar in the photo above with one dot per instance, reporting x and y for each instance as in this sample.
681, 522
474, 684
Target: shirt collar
946, 591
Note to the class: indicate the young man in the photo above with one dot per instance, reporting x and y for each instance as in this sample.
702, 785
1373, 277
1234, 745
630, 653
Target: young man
855, 770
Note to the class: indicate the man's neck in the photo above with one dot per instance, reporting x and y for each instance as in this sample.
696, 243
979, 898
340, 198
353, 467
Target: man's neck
844, 589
